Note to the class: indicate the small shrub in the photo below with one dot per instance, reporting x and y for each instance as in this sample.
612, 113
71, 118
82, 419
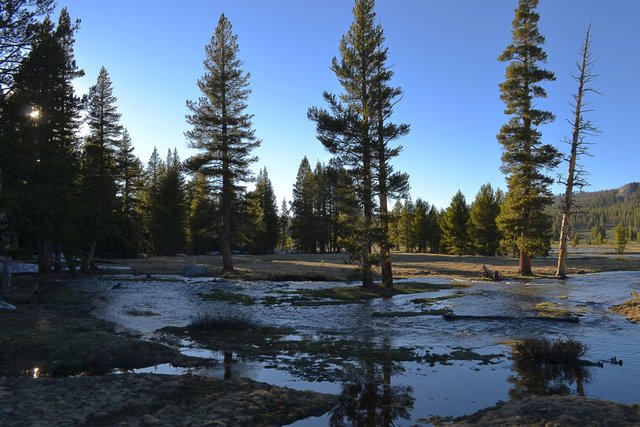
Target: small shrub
539, 351
220, 322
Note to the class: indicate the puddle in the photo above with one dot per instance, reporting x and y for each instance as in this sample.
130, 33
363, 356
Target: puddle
412, 388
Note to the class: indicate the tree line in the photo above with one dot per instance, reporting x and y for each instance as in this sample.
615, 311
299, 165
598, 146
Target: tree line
91, 196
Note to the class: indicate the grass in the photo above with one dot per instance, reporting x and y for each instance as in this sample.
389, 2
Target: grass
219, 322
629, 308
555, 310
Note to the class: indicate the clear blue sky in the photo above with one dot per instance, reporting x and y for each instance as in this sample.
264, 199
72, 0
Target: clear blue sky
445, 59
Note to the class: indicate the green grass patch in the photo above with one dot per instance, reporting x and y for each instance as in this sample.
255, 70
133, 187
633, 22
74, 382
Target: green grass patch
555, 310
230, 297
430, 301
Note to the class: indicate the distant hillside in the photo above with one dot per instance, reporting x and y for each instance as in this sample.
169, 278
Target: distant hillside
603, 210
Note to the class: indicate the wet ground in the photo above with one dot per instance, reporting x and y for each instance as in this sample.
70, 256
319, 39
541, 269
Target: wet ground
386, 373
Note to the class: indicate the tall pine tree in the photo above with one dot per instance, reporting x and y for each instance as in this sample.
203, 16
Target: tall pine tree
483, 229
525, 158
454, 224
347, 129
221, 129
98, 186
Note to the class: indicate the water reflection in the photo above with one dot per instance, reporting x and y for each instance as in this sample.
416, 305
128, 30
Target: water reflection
370, 399
542, 367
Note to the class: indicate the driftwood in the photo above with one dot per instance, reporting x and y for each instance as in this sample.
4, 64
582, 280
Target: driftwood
495, 275
567, 319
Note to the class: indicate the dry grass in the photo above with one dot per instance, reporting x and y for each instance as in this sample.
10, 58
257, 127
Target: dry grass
336, 267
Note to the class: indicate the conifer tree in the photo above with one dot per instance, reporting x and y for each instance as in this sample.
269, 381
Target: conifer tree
170, 224
264, 215
576, 176
525, 158
129, 174
221, 129
201, 217
18, 23
483, 229
421, 225
454, 224
347, 128
285, 225
303, 222
99, 165
151, 202
39, 162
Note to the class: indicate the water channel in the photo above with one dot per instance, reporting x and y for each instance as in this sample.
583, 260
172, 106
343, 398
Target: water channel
401, 391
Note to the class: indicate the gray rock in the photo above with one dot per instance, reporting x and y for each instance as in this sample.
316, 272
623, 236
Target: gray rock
193, 270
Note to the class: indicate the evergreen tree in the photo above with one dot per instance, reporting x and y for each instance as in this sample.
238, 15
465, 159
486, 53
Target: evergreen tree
170, 224
99, 165
421, 225
39, 161
582, 128
347, 128
620, 238
285, 225
483, 229
433, 226
525, 159
389, 183
264, 213
151, 202
18, 25
454, 224
406, 228
129, 174
201, 219
222, 129
303, 222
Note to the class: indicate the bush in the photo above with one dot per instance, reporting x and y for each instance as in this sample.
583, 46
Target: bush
539, 351
220, 322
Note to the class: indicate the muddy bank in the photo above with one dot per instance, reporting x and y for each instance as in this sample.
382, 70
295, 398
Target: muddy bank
630, 308
554, 411
153, 399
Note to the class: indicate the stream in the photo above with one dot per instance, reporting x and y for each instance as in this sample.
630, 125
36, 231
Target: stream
401, 391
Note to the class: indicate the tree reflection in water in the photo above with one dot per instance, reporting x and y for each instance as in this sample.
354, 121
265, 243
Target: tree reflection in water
371, 400
544, 367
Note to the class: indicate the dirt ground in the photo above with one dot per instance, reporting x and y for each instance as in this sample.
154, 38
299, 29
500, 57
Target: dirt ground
551, 411
336, 266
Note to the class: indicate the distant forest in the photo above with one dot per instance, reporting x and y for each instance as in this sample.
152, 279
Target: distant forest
72, 198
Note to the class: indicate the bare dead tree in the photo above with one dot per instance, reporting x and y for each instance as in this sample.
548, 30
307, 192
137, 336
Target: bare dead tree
582, 129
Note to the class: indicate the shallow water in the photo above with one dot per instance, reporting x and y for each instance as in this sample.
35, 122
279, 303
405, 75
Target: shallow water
400, 393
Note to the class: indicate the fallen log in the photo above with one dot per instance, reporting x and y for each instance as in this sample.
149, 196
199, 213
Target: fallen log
567, 319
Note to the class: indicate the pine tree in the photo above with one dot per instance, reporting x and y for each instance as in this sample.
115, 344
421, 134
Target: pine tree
170, 230
525, 159
129, 174
347, 128
454, 224
99, 165
222, 129
264, 213
406, 229
435, 236
39, 162
18, 23
389, 183
620, 238
201, 217
483, 229
421, 225
285, 225
151, 203
303, 222
576, 176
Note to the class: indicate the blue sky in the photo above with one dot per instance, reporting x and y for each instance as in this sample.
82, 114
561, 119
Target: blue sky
444, 54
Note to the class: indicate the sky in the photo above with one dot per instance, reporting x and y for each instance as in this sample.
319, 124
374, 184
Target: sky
443, 53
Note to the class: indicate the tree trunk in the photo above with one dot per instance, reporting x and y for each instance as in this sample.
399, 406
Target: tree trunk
89, 260
44, 255
227, 263
562, 246
524, 268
